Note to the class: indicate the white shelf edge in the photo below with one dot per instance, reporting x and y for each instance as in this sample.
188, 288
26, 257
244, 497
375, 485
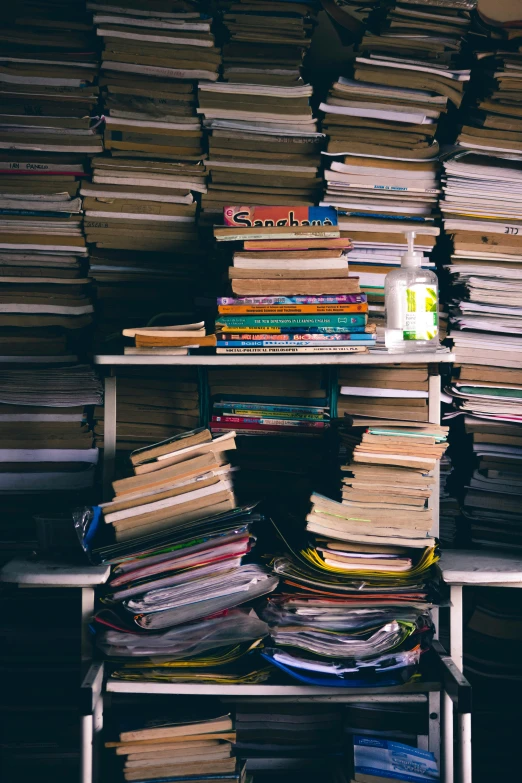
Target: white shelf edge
274, 360
407, 693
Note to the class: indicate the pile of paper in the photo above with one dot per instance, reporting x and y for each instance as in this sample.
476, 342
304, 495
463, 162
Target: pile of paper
153, 403
302, 263
168, 340
180, 750
482, 214
490, 457
281, 417
382, 760
169, 611
48, 70
264, 147
355, 607
47, 443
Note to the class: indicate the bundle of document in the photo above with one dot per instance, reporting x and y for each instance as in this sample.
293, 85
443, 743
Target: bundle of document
489, 400
47, 442
264, 147
175, 340
153, 403
294, 281
168, 749
356, 602
282, 420
174, 480
382, 760
169, 610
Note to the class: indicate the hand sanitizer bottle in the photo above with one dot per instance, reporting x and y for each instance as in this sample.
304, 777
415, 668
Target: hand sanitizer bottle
411, 299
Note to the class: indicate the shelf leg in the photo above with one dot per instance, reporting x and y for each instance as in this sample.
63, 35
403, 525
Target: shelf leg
434, 724
464, 722
87, 613
447, 727
456, 635
87, 729
109, 435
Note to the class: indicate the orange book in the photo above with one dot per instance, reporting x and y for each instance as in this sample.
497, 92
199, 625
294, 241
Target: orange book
291, 309
143, 341
296, 244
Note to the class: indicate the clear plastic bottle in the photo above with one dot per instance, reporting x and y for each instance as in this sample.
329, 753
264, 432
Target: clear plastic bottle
411, 299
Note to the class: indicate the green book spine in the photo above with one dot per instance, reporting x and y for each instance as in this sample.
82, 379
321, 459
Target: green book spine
243, 321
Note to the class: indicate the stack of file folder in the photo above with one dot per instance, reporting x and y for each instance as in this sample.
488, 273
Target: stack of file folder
179, 751
153, 404
355, 606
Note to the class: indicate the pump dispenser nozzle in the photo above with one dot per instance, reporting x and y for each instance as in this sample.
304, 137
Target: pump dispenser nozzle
411, 257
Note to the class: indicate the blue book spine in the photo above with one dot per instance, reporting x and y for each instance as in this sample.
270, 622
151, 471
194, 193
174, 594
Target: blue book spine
299, 409
293, 322
271, 400
34, 213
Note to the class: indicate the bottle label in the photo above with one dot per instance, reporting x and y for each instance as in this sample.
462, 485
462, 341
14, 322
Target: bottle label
421, 313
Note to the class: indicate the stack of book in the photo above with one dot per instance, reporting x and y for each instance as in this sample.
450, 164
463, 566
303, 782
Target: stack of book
392, 474
482, 210
449, 509
179, 751
47, 443
174, 340
159, 499
300, 258
281, 417
153, 403
351, 564
391, 392
264, 147
142, 198
490, 457
48, 71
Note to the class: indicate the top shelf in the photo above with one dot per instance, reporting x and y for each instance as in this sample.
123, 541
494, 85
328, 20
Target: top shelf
481, 567
274, 360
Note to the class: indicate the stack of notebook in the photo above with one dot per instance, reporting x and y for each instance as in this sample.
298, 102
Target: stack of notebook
386, 392
162, 749
490, 457
168, 340
355, 606
153, 403
282, 418
264, 147
301, 258
170, 611
165, 491
482, 210
47, 443
48, 70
